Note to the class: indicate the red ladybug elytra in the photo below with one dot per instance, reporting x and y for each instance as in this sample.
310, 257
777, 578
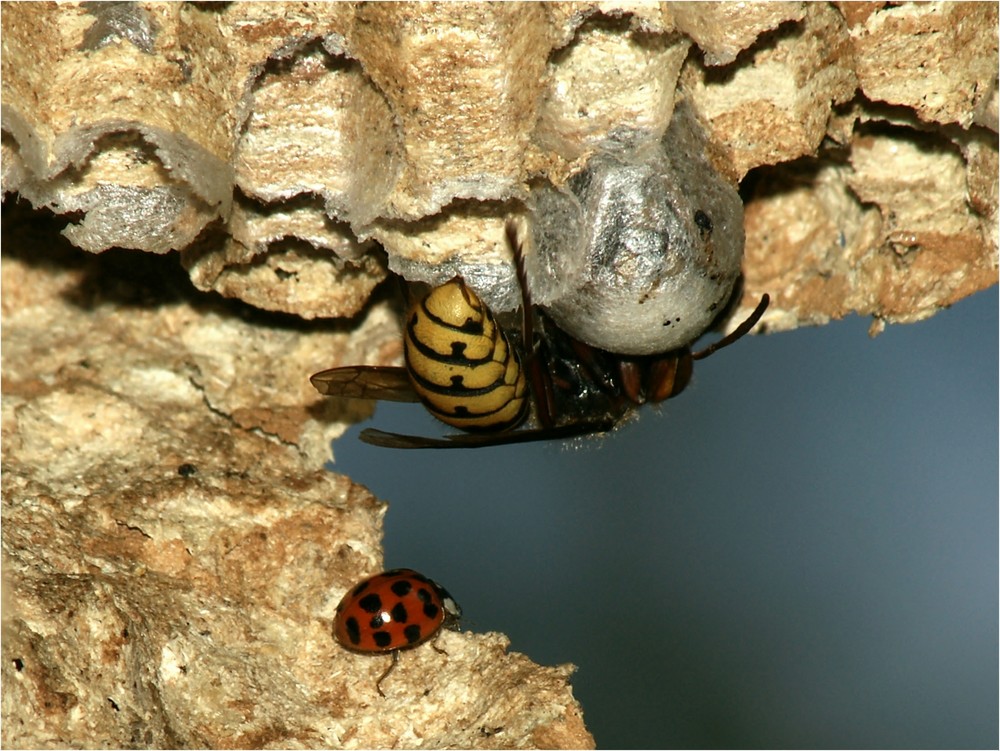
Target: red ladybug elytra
391, 611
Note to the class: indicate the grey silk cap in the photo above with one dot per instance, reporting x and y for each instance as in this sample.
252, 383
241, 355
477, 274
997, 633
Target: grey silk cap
640, 251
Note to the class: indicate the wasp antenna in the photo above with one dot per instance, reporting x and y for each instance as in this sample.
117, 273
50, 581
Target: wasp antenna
742, 330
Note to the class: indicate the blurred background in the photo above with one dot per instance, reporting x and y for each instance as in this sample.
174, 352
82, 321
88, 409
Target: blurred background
798, 551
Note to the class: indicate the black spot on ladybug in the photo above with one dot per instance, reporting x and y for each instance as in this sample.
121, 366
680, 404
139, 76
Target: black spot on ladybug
430, 609
399, 613
353, 630
412, 633
360, 588
401, 588
370, 603
704, 222
377, 621
383, 639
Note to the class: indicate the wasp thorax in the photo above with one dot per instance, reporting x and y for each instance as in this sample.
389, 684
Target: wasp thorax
460, 362
640, 251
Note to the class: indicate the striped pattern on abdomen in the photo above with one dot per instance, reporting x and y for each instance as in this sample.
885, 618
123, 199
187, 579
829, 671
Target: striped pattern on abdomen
461, 364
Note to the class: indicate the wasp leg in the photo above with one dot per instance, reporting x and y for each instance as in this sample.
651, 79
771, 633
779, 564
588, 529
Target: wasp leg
538, 372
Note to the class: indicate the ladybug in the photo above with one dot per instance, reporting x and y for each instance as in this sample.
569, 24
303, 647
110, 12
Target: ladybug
392, 611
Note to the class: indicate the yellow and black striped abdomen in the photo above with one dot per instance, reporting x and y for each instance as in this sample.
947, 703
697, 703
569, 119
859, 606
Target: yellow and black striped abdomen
461, 364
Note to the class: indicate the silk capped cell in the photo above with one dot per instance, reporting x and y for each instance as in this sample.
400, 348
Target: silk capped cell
640, 251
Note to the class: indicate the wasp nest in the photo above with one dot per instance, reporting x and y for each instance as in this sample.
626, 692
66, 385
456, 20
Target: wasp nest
277, 145
174, 558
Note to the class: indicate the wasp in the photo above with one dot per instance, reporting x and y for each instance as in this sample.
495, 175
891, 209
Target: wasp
474, 376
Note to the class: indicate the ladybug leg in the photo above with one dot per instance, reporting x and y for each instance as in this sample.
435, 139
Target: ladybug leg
378, 683
434, 644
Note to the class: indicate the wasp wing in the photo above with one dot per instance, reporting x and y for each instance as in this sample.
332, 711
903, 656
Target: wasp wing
366, 382
477, 440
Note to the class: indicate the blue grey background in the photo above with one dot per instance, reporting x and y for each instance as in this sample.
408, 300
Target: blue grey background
798, 551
